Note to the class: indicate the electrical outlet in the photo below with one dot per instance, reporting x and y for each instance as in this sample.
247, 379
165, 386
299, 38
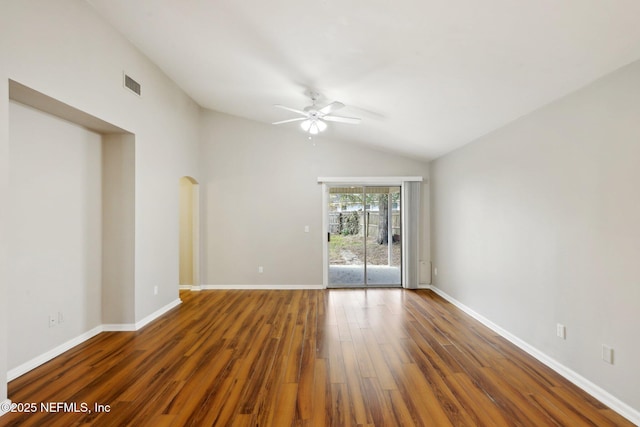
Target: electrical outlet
435, 271
607, 354
52, 321
561, 331
60, 317
155, 290
260, 269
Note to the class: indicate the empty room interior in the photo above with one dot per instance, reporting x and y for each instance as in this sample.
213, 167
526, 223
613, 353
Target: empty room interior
319, 213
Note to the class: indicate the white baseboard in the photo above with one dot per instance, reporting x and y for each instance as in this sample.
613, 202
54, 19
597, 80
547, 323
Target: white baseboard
596, 391
190, 288
118, 327
5, 406
54, 352
153, 316
57, 351
260, 287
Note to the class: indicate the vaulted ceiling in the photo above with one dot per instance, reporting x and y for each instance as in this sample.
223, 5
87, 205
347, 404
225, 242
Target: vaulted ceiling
425, 76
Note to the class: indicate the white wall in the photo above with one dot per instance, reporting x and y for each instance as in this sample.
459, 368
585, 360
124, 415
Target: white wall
4, 195
118, 229
65, 50
259, 186
55, 239
538, 224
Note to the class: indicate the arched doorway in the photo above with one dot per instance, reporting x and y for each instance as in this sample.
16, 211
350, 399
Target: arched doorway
189, 233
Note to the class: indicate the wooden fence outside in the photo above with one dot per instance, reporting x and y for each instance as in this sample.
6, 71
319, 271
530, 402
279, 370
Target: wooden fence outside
338, 221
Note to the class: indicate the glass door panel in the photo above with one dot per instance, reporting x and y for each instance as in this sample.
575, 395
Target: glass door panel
383, 230
346, 245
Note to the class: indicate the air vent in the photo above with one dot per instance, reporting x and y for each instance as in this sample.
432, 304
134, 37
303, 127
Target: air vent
132, 85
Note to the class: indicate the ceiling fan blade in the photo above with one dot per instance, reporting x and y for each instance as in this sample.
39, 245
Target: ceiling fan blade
348, 120
331, 107
291, 109
289, 121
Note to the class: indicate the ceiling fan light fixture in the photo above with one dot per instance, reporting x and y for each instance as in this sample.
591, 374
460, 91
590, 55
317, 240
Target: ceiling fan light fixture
313, 129
322, 126
306, 125
313, 126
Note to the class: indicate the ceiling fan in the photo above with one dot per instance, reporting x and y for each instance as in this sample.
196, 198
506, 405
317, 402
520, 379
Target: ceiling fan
314, 118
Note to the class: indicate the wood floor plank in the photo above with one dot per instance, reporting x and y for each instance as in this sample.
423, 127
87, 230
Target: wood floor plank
305, 400
401, 412
343, 323
364, 357
365, 364
354, 383
336, 361
480, 407
445, 399
286, 405
321, 395
530, 414
382, 372
276, 379
551, 410
219, 408
420, 397
341, 414
583, 410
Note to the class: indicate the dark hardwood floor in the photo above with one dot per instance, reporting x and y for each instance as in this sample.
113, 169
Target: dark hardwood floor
380, 357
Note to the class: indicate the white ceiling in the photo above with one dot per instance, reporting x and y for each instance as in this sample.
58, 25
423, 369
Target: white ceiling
426, 76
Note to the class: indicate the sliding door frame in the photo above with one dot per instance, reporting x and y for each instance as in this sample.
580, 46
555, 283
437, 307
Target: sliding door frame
390, 181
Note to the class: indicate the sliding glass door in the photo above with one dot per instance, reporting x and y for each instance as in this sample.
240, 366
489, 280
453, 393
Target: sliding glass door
365, 235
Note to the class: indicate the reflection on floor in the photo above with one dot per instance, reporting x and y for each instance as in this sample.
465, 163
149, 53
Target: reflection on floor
353, 275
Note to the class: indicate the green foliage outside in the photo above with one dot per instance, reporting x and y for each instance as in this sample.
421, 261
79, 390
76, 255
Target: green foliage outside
351, 224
